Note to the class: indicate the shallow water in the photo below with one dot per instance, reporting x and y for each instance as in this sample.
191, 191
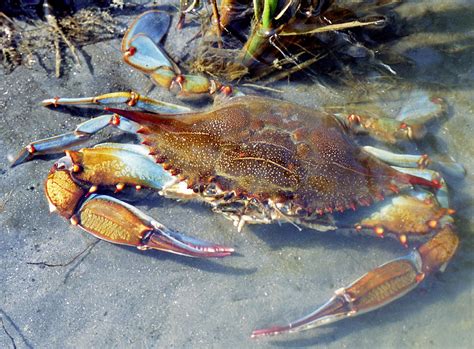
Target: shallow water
117, 296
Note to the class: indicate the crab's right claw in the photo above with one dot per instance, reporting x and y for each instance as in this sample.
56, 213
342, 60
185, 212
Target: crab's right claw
153, 24
373, 290
117, 222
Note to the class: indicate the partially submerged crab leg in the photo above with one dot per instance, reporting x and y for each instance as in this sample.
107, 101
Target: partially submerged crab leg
413, 213
141, 49
417, 161
385, 129
131, 98
409, 124
81, 134
441, 195
379, 286
417, 165
396, 159
70, 194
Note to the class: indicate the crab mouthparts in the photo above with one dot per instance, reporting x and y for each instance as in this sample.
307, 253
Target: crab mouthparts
165, 239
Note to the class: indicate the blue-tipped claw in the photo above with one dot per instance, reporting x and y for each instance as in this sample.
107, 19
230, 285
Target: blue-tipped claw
153, 24
146, 55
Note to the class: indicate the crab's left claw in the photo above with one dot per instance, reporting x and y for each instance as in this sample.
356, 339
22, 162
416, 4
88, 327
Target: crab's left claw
379, 286
142, 50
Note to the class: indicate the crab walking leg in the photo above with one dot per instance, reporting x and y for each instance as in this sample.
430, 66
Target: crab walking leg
58, 143
410, 123
417, 161
111, 219
442, 195
81, 134
379, 286
384, 129
131, 98
403, 160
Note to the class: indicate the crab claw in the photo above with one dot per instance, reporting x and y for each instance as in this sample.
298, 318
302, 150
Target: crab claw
141, 47
376, 288
115, 221
162, 238
379, 286
336, 308
153, 24
142, 50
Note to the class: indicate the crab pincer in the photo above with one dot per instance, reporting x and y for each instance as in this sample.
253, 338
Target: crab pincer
142, 50
378, 287
109, 218
118, 222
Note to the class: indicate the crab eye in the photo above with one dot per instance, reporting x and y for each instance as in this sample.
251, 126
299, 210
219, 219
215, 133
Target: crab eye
60, 165
64, 163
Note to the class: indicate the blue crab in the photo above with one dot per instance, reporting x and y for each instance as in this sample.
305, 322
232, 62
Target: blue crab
255, 160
